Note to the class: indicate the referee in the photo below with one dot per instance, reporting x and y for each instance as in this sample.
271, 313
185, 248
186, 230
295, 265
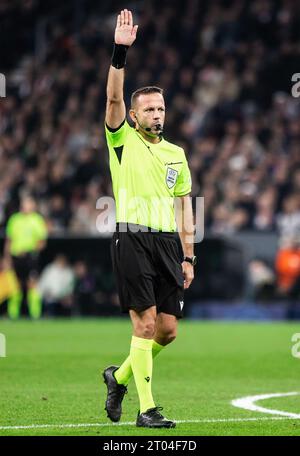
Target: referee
150, 177
26, 234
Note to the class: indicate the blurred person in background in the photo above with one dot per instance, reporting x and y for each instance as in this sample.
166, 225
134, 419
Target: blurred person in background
58, 214
56, 286
26, 235
85, 289
264, 219
261, 280
288, 221
287, 266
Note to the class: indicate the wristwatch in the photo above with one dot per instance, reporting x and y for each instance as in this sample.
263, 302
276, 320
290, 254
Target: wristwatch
192, 260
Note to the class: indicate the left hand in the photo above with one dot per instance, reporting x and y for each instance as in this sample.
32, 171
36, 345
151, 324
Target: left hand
188, 272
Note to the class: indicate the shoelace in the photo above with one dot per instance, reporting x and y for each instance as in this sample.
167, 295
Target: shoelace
155, 412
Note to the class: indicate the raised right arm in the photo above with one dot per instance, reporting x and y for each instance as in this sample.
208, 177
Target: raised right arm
125, 35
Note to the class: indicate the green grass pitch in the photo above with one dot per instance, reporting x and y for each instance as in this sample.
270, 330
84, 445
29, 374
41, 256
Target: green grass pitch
52, 376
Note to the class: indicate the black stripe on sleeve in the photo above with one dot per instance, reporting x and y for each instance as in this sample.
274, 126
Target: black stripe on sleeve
113, 130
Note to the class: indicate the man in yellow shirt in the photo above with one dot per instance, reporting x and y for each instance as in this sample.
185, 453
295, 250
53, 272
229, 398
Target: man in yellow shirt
151, 184
26, 234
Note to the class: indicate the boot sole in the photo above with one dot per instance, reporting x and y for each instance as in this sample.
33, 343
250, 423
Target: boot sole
168, 426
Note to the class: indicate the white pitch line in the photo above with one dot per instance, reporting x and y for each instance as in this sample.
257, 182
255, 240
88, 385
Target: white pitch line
132, 423
248, 403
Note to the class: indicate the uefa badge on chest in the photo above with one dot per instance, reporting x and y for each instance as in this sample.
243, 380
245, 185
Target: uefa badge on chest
171, 177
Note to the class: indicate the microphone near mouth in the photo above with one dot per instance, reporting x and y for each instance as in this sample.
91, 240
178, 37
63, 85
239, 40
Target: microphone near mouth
157, 127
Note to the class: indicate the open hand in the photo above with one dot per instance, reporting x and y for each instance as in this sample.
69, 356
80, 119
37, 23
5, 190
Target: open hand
125, 32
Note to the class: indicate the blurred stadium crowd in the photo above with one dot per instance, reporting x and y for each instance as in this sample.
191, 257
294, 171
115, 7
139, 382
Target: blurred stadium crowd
225, 67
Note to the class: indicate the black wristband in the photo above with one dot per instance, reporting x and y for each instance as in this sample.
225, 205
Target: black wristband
118, 58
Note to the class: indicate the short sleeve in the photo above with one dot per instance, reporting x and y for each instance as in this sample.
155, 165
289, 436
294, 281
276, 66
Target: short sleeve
184, 182
115, 137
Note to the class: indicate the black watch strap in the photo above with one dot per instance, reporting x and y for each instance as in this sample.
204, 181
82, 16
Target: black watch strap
192, 260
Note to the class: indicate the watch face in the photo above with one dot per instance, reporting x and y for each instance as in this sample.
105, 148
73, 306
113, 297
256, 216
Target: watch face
192, 260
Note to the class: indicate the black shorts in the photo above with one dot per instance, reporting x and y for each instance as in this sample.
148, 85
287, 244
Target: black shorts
25, 266
148, 271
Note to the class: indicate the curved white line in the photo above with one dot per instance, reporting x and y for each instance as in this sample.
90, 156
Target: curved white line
243, 402
248, 403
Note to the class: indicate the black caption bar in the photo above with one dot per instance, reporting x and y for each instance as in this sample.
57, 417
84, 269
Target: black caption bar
193, 445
